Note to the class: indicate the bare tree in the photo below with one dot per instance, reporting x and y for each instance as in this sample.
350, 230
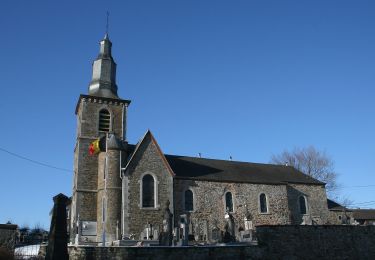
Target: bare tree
312, 162
344, 201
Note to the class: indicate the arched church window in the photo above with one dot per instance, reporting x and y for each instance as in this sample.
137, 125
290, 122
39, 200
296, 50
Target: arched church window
148, 191
263, 203
228, 202
189, 200
104, 120
302, 205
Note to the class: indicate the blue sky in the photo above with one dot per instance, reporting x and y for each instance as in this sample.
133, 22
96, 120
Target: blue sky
245, 79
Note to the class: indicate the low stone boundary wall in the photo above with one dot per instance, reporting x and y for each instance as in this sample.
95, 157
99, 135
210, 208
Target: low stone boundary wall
317, 242
163, 253
274, 242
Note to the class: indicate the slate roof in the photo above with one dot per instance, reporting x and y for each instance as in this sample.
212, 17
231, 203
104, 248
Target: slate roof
233, 171
8, 226
364, 214
185, 167
332, 205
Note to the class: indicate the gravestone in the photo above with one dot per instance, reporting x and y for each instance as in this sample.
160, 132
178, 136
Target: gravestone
248, 223
215, 235
246, 235
205, 230
191, 230
306, 220
201, 230
183, 237
166, 236
58, 237
196, 231
229, 233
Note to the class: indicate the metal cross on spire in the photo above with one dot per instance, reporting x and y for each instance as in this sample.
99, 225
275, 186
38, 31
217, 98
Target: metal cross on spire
107, 25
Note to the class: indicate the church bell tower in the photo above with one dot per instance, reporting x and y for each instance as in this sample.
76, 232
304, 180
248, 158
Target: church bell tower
101, 115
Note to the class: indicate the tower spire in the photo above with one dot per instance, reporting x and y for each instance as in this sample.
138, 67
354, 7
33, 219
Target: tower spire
103, 82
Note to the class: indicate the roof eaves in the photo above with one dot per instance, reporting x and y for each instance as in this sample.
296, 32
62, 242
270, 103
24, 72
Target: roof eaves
115, 100
317, 183
223, 180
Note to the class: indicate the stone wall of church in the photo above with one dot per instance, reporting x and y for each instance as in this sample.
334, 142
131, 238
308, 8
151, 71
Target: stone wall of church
87, 166
209, 204
85, 181
86, 203
338, 217
317, 209
333, 217
147, 161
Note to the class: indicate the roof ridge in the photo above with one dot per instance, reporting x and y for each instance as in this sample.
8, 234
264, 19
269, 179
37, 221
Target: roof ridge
136, 149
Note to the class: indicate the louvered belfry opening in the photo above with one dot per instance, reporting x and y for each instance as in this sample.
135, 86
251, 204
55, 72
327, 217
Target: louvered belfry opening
104, 120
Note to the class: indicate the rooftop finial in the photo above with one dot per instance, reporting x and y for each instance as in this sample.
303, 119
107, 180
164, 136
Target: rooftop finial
107, 25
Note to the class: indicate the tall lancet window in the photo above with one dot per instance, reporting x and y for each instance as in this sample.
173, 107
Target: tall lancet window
189, 200
263, 204
228, 202
302, 205
148, 191
104, 120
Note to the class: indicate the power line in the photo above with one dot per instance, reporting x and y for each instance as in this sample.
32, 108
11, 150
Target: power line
66, 170
358, 186
363, 203
33, 161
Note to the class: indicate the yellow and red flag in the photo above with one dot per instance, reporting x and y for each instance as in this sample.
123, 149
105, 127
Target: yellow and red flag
94, 147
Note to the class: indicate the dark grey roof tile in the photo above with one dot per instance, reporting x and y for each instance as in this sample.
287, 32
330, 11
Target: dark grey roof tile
234, 171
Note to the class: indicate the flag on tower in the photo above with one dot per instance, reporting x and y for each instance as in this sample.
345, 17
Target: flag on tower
94, 147
97, 145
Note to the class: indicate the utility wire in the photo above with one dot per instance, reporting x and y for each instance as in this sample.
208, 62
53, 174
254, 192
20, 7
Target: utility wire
358, 186
66, 170
362, 203
33, 161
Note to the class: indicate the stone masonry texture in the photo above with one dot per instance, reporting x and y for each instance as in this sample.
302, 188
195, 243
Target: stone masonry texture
274, 242
316, 203
148, 160
209, 198
110, 189
209, 202
336, 217
85, 200
317, 242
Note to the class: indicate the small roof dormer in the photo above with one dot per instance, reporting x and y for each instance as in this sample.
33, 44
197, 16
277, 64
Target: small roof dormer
103, 82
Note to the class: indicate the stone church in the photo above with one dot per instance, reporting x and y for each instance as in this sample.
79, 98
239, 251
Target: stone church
125, 188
